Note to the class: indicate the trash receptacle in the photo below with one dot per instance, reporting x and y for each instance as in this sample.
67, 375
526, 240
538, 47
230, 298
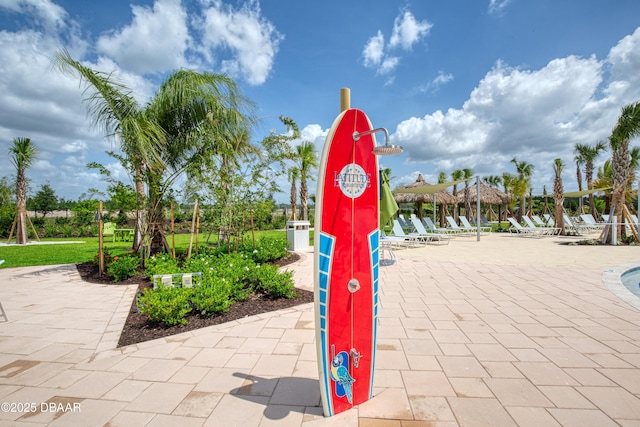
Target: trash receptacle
298, 235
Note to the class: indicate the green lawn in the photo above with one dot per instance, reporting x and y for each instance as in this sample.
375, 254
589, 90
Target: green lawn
86, 248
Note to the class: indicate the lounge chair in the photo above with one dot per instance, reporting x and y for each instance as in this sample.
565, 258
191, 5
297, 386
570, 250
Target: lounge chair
591, 223
544, 230
518, 229
467, 225
457, 228
432, 228
439, 237
539, 222
412, 238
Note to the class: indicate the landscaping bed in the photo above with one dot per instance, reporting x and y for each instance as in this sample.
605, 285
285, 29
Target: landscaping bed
138, 328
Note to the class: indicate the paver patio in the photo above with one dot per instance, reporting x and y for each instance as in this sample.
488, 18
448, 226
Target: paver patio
505, 331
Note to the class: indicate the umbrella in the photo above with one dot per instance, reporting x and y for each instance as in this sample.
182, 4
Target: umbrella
388, 205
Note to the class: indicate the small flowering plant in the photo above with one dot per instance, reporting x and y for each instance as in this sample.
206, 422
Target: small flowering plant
123, 267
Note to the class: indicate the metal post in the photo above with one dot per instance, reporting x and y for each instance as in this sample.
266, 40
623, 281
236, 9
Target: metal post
345, 99
478, 205
614, 229
434, 208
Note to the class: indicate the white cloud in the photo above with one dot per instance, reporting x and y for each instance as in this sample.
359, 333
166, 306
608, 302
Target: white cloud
407, 31
51, 16
155, 42
497, 6
373, 51
536, 115
252, 40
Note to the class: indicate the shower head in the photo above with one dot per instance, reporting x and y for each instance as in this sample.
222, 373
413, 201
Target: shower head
381, 150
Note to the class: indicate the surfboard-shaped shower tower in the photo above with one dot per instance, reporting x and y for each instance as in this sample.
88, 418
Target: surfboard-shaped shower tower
347, 258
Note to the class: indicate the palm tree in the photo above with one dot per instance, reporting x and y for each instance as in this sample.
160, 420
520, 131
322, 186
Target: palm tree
525, 170
456, 175
588, 155
580, 160
493, 181
293, 175
113, 108
627, 127
507, 182
442, 177
22, 153
467, 174
307, 161
191, 119
558, 194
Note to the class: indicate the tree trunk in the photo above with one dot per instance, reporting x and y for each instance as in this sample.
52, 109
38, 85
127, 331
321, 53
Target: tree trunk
304, 197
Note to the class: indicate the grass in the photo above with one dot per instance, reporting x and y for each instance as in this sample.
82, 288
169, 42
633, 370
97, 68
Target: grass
84, 249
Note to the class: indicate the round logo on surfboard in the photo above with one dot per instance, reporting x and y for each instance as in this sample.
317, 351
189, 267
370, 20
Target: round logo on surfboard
352, 180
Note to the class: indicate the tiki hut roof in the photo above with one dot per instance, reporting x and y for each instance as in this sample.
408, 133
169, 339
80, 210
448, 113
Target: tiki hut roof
442, 196
488, 195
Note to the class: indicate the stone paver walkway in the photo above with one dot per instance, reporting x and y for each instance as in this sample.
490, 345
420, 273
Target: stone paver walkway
502, 332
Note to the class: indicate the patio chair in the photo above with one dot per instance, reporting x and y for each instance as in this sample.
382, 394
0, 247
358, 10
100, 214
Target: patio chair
456, 227
109, 230
439, 237
432, 228
466, 224
412, 238
550, 231
539, 222
591, 223
519, 230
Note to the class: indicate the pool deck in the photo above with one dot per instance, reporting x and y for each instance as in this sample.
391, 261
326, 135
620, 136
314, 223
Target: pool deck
502, 332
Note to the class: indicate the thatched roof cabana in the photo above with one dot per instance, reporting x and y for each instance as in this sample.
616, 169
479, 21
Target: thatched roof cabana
488, 195
442, 196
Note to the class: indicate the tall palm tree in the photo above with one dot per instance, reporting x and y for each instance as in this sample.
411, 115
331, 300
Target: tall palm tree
493, 181
113, 108
206, 122
558, 194
588, 154
442, 177
627, 127
456, 175
192, 118
293, 175
507, 183
307, 161
22, 155
467, 174
580, 160
525, 170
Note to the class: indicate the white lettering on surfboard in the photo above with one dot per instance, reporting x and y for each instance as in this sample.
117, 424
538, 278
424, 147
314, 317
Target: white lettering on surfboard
352, 180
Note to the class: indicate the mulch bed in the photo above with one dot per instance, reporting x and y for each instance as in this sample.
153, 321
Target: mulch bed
138, 328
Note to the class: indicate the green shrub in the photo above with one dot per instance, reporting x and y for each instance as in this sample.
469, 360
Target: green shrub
61, 220
234, 268
166, 305
269, 249
269, 280
161, 264
123, 267
212, 296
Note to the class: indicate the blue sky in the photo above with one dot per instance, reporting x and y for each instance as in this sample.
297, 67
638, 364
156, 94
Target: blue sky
459, 84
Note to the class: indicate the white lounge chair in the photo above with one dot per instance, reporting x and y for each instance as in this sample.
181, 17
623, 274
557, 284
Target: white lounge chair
434, 237
519, 230
544, 230
412, 238
432, 228
591, 223
467, 225
457, 228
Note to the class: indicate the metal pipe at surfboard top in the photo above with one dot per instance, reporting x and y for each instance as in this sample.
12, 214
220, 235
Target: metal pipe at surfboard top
345, 99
